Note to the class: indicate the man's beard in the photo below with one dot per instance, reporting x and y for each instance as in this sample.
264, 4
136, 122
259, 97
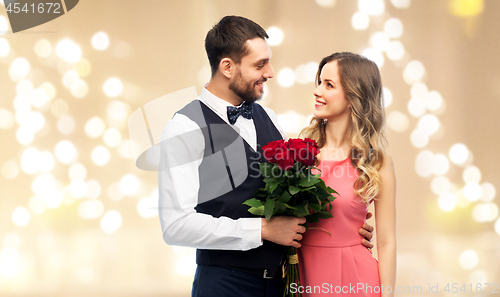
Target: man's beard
245, 91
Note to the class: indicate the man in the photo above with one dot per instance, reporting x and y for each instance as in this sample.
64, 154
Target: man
209, 153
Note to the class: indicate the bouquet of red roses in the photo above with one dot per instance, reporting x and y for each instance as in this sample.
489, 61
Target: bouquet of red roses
291, 189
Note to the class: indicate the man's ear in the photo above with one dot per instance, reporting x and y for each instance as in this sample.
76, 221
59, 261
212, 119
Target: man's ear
226, 67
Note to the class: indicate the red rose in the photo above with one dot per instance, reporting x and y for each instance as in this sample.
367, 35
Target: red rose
284, 158
271, 149
298, 149
312, 150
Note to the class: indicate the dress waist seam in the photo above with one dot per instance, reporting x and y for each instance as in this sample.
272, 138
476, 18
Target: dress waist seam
332, 246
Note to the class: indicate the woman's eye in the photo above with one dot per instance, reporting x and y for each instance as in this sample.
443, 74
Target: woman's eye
330, 85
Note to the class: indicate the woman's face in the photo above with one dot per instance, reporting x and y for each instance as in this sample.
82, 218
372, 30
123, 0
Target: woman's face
331, 103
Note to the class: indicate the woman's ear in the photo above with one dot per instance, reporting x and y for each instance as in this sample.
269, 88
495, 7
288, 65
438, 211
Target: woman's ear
226, 67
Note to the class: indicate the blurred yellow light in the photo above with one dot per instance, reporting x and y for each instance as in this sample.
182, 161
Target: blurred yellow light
472, 191
424, 164
52, 198
66, 152
429, 123
25, 135
4, 47
49, 90
286, 77
275, 36
69, 51
93, 189
458, 153
100, 41
419, 138
371, 7
9, 262
43, 48
117, 113
12, 240
447, 201
393, 28
24, 87
204, 75
22, 104
66, 124
83, 68
113, 87
79, 88
478, 276
398, 121
59, 107
416, 106
441, 164
100, 155
419, 89
125, 149
488, 192
291, 121
112, 137
374, 55
95, 127
111, 221
468, 259
440, 185
78, 188
77, 171
4, 25
326, 3
39, 98
497, 226
433, 100
43, 184
300, 74
91, 209
85, 274
395, 50
6, 119
19, 69
379, 41
461, 200
186, 265
129, 184
10, 170
471, 174
69, 78
401, 4
114, 192
387, 94
29, 160
34, 121
485, 212
466, 8
21, 216
46, 161
413, 72
36, 205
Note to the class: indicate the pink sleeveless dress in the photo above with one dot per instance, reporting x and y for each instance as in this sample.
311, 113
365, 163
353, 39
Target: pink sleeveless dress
339, 264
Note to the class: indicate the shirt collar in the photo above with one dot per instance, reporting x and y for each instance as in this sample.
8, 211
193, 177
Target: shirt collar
215, 103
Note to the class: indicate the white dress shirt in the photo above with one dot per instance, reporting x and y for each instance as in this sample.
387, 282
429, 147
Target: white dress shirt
178, 188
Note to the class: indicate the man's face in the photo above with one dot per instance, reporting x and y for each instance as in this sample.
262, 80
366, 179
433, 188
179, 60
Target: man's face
254, 69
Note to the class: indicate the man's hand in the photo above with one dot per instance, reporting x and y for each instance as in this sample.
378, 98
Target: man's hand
367, 232
283, 230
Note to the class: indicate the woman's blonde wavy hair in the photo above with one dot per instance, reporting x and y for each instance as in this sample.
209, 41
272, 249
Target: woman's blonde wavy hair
362, 84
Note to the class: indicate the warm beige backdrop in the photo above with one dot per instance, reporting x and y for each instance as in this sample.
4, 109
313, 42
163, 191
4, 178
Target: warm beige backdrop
61, 236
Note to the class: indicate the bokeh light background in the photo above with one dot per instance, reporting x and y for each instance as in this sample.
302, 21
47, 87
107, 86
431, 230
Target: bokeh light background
78, 218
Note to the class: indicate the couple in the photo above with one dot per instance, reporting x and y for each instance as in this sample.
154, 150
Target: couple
208, 154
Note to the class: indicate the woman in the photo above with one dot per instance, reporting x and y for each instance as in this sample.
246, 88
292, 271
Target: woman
348, 125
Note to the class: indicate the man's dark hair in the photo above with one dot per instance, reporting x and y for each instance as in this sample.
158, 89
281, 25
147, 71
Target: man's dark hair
227, 39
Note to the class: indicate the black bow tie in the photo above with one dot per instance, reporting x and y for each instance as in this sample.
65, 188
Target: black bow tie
244, 110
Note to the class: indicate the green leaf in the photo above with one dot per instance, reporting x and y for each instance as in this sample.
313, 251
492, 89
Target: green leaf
268, 180
269, 208
331, 191
285, 197
265, 169
314, 218
289, 206
272, 186
301, 211
279, 208
309, 181
258, 211
316, 207
294, 190
307, 189
253, 202
324, 214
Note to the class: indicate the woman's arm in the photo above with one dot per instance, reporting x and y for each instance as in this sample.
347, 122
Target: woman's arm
385, 220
